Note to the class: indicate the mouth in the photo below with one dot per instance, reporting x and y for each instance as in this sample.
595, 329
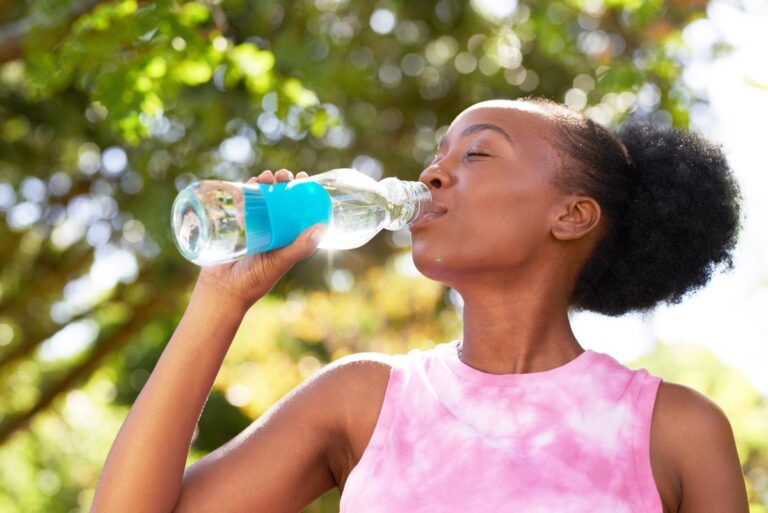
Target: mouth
435, 212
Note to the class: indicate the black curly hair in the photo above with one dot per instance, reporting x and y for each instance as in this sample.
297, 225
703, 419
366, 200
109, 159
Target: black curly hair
670, 204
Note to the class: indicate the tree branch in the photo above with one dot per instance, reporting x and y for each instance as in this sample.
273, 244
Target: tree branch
219, 18
44, 275
105, 346
24, 350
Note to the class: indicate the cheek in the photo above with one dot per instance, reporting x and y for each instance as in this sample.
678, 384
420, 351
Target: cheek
500, 239
463, 241
506, 220
498, 226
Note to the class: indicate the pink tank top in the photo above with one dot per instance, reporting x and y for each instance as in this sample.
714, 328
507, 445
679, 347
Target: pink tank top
450, 438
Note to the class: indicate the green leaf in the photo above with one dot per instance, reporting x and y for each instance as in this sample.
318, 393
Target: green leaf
152, 105
252, 61
259, 84
193, 14
320, 124
156, 67
193, 71
298, 94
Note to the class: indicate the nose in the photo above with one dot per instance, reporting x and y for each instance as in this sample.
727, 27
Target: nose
434, 177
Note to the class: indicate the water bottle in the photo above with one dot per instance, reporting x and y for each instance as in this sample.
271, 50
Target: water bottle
216, 221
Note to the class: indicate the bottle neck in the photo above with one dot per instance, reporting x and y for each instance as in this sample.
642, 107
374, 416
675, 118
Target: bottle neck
418, 196
410, 201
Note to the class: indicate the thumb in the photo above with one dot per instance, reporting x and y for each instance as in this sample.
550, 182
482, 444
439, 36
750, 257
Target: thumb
314, 234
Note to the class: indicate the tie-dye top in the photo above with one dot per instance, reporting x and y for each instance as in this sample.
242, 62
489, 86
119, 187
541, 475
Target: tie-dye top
451, 438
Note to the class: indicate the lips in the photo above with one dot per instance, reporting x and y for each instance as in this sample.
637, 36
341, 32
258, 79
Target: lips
435, 211
437, 208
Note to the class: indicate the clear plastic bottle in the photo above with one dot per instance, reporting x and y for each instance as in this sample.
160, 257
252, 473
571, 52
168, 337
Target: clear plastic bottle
216, 221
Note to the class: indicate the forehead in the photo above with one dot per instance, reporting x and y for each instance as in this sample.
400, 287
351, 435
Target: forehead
532, 129
521, 120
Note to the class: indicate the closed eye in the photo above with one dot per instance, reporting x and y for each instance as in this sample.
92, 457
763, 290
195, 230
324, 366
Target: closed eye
468, 154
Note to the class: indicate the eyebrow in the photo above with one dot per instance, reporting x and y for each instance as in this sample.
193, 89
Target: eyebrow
480, 127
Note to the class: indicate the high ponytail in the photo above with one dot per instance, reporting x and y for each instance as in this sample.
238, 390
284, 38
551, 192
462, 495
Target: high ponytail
671, 205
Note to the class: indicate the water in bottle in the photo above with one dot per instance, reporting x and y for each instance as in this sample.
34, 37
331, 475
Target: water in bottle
215, 221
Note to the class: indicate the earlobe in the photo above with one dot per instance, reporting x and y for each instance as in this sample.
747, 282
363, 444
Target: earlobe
576, 217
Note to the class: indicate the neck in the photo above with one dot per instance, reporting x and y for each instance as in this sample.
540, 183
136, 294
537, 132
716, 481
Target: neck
525, 334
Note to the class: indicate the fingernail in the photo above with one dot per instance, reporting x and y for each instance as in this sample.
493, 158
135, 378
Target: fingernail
318, 233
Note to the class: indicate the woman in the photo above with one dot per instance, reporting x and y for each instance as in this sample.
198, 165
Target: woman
541, 210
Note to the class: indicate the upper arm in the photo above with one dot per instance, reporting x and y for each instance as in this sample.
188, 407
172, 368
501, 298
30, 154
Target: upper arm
280, 463
696, 446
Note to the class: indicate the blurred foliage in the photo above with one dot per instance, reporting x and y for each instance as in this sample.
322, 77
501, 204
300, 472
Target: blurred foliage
109, 108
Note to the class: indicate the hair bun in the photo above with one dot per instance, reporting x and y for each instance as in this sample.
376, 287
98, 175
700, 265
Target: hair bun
682, 219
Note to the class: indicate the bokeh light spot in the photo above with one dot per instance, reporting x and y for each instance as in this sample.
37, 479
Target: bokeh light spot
383, 21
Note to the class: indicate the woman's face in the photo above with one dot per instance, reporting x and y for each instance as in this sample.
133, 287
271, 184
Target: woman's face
493, 174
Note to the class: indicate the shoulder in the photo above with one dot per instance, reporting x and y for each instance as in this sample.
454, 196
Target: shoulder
362, 366
355, 369
361, 374
684, 417
335, 392
693, 448
685, 402
357, 382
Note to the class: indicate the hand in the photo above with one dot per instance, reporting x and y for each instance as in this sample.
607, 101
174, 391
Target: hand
252, 277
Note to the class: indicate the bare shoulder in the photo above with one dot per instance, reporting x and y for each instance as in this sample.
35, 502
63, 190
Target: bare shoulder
685, 417
347, 377
680, 395
681, 415
350, 383
365, 359
694, 453
361, 379
361, 368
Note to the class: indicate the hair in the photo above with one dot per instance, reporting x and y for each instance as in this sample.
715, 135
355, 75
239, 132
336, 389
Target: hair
670, 208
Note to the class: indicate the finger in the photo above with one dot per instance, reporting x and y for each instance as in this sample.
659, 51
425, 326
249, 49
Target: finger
265, 177
283, 175
302, 174
302, 247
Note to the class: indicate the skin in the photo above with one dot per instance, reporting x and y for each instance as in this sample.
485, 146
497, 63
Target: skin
523, 243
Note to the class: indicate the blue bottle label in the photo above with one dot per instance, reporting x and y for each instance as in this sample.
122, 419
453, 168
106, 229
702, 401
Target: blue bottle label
276, 214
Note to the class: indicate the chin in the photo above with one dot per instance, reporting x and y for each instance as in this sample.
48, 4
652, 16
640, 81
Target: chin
433, 265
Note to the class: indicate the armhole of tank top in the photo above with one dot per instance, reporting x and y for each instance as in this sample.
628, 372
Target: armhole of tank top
644, 403
358, 477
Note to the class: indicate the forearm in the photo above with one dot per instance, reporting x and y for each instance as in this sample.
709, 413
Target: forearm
145, 467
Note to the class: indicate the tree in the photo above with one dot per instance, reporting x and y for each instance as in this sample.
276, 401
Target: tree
108, 108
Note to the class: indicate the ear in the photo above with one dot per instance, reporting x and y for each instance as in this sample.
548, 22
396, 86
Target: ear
575, 217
